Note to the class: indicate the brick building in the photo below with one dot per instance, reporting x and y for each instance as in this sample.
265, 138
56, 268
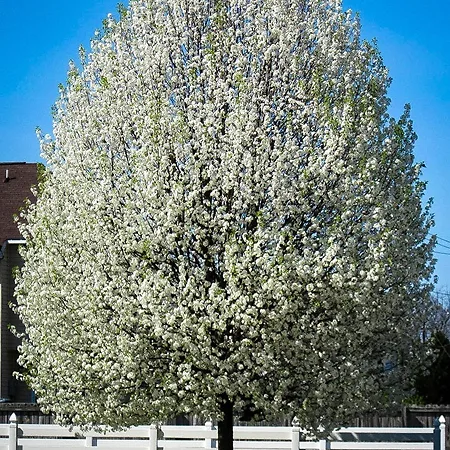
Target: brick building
16, 180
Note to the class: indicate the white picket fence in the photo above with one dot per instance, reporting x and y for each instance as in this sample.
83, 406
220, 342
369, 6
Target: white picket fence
15, 436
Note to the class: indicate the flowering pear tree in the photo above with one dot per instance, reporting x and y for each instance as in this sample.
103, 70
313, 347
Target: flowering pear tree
231, 224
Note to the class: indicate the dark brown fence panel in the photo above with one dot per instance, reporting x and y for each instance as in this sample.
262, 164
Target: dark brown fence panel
25, 413
424, 416
409, 416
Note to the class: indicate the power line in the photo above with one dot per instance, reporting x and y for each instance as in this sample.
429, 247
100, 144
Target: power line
445, 240
442, 293
441, 245
439, 238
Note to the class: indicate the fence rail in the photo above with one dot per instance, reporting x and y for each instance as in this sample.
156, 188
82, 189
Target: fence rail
14, 436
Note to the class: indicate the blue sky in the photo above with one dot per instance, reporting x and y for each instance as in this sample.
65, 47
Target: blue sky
37, 39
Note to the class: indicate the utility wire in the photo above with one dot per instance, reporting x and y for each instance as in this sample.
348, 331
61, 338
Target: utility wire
442, 239
441, 245
439, 238
442, 293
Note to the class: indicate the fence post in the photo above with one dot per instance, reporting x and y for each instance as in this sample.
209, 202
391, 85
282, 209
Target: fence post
208, 440
295, 440
89, 441
442, 432
323, 444
12, 442
153, 437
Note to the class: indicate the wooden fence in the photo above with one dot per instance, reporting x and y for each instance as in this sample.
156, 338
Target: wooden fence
14, 436
409, 416
25, 413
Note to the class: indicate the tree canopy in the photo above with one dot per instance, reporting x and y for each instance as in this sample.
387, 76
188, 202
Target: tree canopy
232, 222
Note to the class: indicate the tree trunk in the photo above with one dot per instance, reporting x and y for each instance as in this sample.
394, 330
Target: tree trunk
225, 426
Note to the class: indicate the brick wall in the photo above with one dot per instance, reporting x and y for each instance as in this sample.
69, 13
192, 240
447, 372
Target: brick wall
16, 180
13, 191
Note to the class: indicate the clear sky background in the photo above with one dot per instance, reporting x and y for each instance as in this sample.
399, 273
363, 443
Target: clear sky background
37, 39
